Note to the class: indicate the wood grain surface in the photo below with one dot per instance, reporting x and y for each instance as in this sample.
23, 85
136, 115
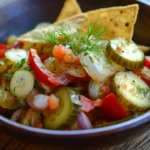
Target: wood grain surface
10, 143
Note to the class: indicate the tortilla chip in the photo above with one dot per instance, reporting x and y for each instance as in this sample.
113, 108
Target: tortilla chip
119, 21
77, 20
30, 39
70, 8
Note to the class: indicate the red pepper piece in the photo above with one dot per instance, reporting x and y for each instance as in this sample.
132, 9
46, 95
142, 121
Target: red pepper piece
44, 75
113, 110
3, 49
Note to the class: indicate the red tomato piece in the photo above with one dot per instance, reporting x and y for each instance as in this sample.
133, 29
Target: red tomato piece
44, 75
3, 49
64, 54
113, 110
87, 104
147, 61
53, 102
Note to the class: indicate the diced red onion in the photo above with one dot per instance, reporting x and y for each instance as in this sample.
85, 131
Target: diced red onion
15, 116
84, 122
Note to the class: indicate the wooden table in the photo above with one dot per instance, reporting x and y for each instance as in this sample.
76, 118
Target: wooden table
10, 143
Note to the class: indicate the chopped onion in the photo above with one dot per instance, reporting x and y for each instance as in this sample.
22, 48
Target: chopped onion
15, 116
16, 55
84, 122
40, 101
97, 68
30, 99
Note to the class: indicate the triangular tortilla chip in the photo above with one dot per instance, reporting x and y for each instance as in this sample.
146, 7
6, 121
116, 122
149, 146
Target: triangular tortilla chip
119, 21
30, 39
70, 8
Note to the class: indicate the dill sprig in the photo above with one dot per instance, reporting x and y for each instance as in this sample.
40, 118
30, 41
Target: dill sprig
50, 37
79, 41
20, 63
144, 91
8, 76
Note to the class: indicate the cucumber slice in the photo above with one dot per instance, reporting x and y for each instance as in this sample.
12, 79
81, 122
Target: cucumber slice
21, 83
16, 55
125, 53
132, 91
99, 66
68, 110
7, 100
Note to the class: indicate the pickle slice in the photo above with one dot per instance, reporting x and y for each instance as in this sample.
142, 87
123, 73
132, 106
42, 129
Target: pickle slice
67, 111
132, 91
7, 100
125, 53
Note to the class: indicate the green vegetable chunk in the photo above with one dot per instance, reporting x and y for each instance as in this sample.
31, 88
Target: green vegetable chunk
68, 109
7, 100
21, 83
132, 91
125, 53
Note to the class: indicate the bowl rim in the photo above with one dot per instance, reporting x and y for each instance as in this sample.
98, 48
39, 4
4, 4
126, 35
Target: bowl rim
130, 124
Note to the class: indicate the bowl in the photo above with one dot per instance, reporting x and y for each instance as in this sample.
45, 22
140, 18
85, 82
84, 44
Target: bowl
20, 16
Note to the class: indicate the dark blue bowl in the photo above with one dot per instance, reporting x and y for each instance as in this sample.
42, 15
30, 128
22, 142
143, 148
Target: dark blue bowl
19, 16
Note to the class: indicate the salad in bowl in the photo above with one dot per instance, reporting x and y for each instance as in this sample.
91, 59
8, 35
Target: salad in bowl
81, 72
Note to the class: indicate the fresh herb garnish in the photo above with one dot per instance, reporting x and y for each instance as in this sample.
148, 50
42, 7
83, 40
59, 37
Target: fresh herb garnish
144, 91
80, 41
84, 65
49, 37
19, 64
27, 68
8, 76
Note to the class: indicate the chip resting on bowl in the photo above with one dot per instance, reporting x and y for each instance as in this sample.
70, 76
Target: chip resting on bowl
70, 8
31, 40
119, 21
